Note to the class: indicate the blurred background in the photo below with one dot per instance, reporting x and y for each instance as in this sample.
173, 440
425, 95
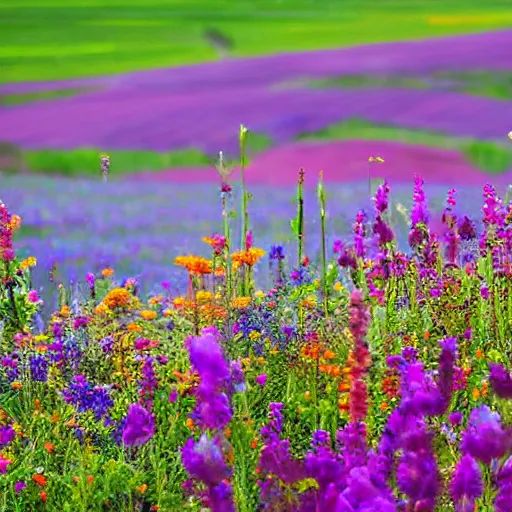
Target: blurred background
161, 86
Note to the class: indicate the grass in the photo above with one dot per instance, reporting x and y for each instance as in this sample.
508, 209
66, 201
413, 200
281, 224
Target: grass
488, 156
19, 99
86, 161
58, 39
491, 84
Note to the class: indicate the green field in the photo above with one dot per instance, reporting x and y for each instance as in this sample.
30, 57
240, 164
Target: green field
57, 39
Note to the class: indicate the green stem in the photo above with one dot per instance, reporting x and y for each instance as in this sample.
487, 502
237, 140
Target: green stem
300, 216
245, 214
321, 199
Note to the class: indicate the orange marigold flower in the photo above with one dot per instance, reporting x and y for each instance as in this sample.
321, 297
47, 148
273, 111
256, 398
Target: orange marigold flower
101, 309
16, 385
132, 327
250, 257
147, 314
329, 354
15, 222
383, 406
54, 418
227, 433
107, 272
28, 262
189, 423
485, 389
479, 353
154, 508
118, 298
64, 311
43, 496
155, 300
426, 336
194, 264
40, 480
254, 443
476, 393
90, 479
76, 479
49, 447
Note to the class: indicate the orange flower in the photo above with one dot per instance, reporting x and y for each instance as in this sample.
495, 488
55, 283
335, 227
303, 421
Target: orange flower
54, 418
16, 385
107, 272
189, 423
142, 488
426, 336
343, 387
43, 496
154, 508
134, 327
90, 479
76, 479
476, 394
383, 406
49, 447
194, 264
40, 480
479, 354
254, 443
148, 314
250, 257
118, 298
485, 389
329, 354
227, 433
64, 311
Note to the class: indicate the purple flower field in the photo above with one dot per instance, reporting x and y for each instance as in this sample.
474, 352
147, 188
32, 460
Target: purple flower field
198, 105
139, 228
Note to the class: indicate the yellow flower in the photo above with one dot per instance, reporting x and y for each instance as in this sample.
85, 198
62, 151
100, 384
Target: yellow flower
147, 314
107, 272
15, 222
194, 264
259, 294
338, 286
179, 301
118, 298
64, 311
27, 263
203, 297
155, 300
101, 309
254, 335
167, 312
310, 301
241, 302
40, 337
142, 488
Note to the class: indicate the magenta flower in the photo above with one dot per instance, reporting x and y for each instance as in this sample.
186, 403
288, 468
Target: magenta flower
3, 465
466, 485
142, 343
261, 379
33, 296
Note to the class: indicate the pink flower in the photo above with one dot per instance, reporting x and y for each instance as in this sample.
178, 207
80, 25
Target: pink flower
142, 343
3, 465
33, 296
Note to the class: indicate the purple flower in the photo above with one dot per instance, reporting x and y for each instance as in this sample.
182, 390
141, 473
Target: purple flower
501, 381
261, 379
19, 486
455, 418
503, 502
173, 396
39, 368
204, 460
139, 427
7, 434
90, 279
276, 252
484, 438
466, 484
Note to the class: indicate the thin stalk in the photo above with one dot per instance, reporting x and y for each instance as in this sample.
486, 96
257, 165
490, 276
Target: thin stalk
245, 213
321, 200
300, 216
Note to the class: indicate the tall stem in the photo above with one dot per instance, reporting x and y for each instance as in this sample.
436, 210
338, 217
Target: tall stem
321, 200
300, 216
245, 213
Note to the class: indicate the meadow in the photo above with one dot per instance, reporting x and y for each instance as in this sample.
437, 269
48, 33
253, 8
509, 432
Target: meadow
362, 366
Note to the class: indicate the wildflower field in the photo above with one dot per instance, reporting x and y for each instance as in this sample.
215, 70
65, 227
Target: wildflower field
365, 373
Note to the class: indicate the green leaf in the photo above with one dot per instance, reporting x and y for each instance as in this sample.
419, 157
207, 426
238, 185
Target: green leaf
294, 223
